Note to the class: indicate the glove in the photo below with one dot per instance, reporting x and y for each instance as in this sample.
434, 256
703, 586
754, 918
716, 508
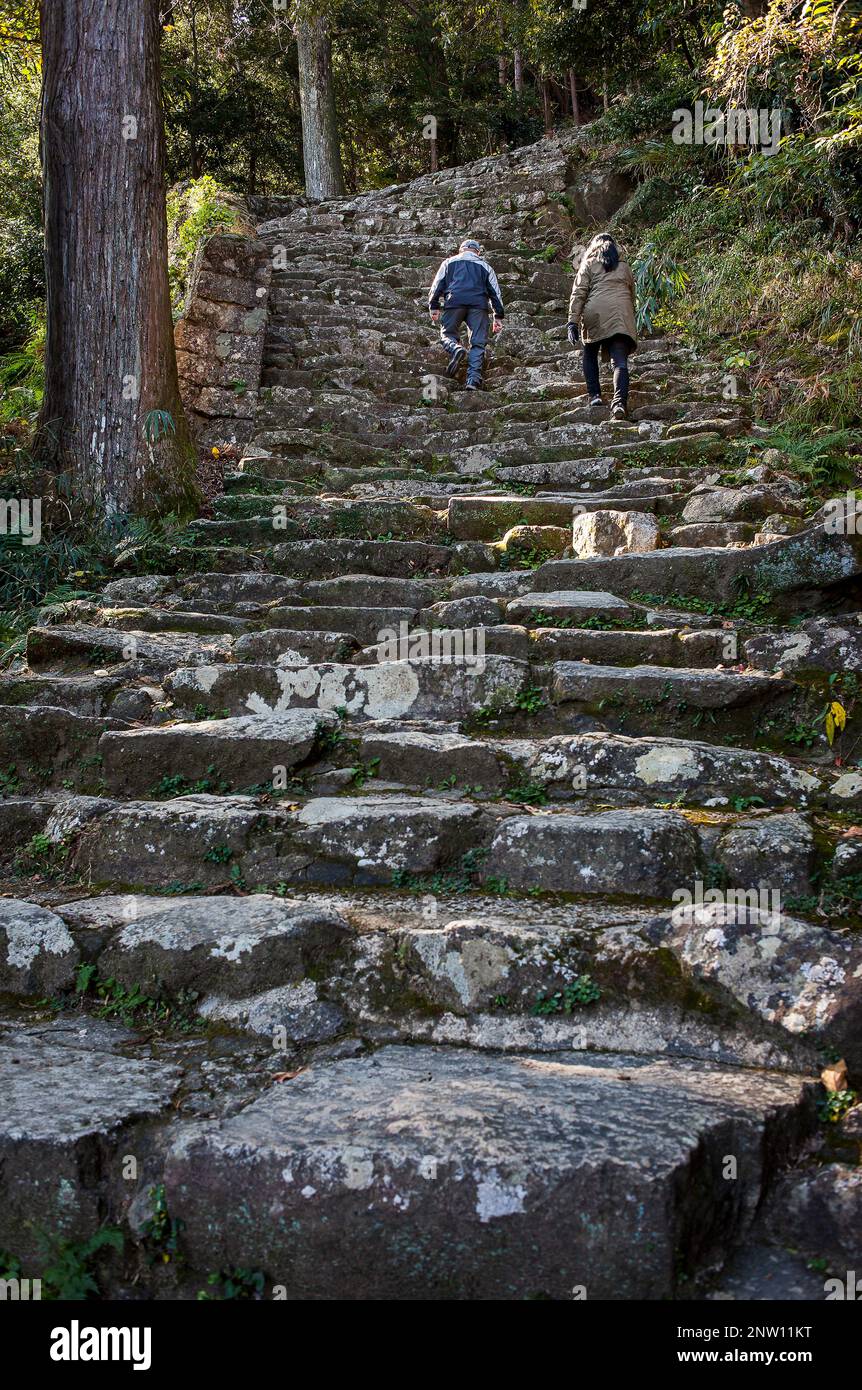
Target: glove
497, 325
435, 314
572, 333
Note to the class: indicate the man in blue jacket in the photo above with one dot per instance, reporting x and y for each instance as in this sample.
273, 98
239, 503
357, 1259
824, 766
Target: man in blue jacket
466, 286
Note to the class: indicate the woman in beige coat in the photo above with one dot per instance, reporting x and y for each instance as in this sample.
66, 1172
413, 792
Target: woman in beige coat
603, 305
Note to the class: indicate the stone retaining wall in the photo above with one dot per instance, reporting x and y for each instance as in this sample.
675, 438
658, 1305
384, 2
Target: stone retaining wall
219, 338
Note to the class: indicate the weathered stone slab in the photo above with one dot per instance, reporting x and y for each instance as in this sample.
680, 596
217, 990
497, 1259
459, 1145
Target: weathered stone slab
231, 753
587, 684
812, 560
228, 946
67, 1117
641, 853
819, 1211
293, 647
438, 1174
575, 604
816, 647
793, 974
375, 835
70, 648
608, 532
43, 746
773, 852
661, 768
417, 689
37, 953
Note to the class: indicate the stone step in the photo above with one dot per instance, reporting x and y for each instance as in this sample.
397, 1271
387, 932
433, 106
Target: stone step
585, 684
488, 517
365, 624
66, 649
41, 746
330, 559
217, 755
424, 688
86, 696
447, 1151
248, 592
207, 839
149, 620
581, 767
68, 1114
796, 565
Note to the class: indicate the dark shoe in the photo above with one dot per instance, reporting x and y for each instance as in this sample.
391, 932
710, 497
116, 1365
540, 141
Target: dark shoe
618, 411
474, 386
456, 362
595, 400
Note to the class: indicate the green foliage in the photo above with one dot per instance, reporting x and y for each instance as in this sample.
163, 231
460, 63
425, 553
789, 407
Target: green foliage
527, 792
577, 994
753, 607
363, 772
22, 370
133, 1006
196, 211
22, 280
530, 700
834, 1106
161, 1231
219, 854
171, 785
233, 1283
659, 280
68, 1271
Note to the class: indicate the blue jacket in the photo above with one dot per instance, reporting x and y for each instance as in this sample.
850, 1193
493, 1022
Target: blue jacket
465, 281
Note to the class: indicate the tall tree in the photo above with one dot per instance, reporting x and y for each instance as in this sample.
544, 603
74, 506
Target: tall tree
324, 177
112, 411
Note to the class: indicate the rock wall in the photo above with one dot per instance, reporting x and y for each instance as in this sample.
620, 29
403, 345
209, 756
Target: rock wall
219, 338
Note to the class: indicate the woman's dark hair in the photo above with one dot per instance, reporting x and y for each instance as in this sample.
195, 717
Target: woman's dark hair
610, 254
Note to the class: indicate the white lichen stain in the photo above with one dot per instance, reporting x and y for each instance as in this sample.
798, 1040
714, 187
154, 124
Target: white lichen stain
495, 1198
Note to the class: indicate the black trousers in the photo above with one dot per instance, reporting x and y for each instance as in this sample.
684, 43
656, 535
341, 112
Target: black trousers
618, 349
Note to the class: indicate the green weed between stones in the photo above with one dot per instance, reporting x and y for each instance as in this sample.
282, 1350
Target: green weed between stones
133, 1006
68, 1271
161, 1232
233, 1283
577, 994
178, 785
753, 607
834, 1106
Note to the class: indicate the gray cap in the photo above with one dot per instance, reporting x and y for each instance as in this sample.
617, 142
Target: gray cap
470, 246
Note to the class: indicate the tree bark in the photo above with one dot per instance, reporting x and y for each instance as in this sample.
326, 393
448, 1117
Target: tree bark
519, 72
324, 177
546, 106
111, 415
502, 66
573, 92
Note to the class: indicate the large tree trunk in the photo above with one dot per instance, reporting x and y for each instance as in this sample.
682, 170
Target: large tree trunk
112, 415
573, 92
519, 72
321, 154
546, 106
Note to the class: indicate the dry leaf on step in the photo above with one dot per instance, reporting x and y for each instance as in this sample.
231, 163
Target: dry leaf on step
834, 1078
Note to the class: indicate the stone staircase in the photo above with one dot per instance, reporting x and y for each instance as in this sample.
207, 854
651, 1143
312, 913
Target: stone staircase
414, 835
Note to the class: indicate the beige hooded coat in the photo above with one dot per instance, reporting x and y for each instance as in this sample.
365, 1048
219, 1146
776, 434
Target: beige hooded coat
603, 301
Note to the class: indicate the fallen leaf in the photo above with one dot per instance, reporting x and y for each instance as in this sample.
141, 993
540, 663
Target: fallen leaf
834, 1078
287, 1075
